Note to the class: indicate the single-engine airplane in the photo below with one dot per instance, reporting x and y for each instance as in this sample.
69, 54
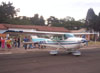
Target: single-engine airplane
58, 40
66, 41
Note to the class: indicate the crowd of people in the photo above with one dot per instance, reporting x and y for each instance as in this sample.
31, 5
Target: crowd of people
29, 44
9, 42
16, 42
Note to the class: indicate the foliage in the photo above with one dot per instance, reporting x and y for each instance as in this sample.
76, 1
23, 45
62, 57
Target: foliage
67, 22
92, 21
97, 21
22, 20
36, 20
7, 12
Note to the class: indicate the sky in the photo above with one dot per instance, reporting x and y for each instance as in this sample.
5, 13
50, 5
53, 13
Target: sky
57, 8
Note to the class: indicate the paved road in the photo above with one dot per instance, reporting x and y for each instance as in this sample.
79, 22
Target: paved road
42, 62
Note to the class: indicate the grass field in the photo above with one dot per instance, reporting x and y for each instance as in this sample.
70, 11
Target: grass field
94, 43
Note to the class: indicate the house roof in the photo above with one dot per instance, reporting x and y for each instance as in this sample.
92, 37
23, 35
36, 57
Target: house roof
3, 27
39, 28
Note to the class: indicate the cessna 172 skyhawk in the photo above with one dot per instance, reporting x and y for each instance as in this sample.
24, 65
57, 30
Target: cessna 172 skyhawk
66, 41
58, 40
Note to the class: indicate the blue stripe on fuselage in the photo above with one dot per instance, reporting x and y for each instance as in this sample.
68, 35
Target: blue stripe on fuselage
60, 43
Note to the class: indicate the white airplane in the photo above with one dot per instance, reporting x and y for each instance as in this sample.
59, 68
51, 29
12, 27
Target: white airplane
58, 40
66, 41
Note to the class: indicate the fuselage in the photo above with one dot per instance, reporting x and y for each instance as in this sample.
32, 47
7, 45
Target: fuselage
67, 41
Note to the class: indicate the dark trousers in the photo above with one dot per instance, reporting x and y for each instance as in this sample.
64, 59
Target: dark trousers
18, 44
25, 46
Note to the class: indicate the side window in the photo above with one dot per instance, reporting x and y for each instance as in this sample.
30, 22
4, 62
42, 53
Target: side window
57, 37
65, 37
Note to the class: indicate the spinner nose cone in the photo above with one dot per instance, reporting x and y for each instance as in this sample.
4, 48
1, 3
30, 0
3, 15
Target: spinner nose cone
84, 40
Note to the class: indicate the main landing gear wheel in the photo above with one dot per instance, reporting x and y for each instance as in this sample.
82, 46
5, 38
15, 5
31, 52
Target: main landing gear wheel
53, 52
76, 53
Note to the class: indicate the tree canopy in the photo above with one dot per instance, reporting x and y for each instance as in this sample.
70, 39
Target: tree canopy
7, 12
68, 22
8, 15
93, 21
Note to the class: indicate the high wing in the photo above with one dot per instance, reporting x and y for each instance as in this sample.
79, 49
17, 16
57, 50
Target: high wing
62, 33
85, 33
45, 32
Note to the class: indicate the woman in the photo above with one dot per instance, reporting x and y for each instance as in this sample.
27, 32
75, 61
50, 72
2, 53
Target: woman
8, 43
3, 43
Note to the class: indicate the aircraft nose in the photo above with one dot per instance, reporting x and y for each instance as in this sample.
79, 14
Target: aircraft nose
84, 41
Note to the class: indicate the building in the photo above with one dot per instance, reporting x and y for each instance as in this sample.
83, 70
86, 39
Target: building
85, 34
16, 30
2, 30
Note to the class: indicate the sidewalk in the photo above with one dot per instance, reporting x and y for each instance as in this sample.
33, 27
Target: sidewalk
12, 50
22, 50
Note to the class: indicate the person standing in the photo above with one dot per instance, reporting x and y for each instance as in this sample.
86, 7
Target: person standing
25, 42
18, 42
30, 45
3, 42
15, 42
8, 43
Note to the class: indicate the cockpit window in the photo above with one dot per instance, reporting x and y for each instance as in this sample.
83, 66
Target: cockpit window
58, 37
68, 35
62, 37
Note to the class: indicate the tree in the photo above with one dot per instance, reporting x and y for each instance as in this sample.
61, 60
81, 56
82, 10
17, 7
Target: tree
52, 21
7, 12
41, 20
91, 19
21, 20
68, 18
68, 23
97, 28
37, 21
